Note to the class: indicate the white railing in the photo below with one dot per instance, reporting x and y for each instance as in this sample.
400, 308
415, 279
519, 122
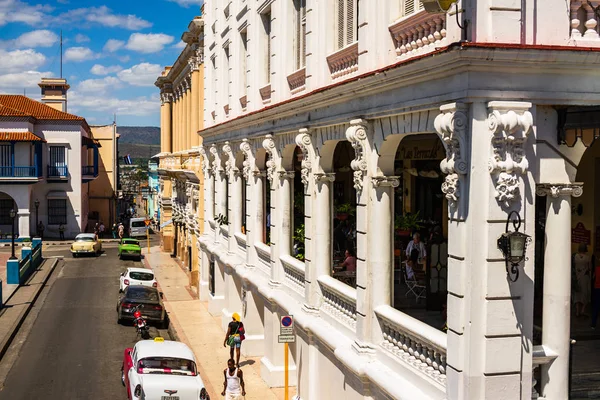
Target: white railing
264, 257
339, 301
240, 239
343, 62
414, 342
297, 81
418, 33
584, 24
294, 273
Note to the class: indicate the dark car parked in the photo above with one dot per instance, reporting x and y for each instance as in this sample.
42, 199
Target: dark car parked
150, 299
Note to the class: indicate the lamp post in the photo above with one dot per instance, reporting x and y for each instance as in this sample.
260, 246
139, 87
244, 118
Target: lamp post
37, 206
13, 214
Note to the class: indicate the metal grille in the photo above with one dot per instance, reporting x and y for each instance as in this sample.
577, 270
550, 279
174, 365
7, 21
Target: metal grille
57, 211
350, 23
57, 156
5, 155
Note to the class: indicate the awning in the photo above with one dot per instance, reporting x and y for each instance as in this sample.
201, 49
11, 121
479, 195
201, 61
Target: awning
19, 137
57, 194
90, 142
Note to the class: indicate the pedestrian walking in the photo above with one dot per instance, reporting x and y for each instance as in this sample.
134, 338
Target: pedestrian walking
61, 231
114, 231
233, 385
101, 229
583, 271
234, 337
121, 230
40, 230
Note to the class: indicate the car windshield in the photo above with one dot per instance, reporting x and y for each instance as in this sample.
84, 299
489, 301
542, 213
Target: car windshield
133, 242
142, 293
141, 276
166, 365
84, 239
138, 224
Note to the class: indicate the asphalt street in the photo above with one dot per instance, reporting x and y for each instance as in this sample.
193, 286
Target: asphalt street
75, 347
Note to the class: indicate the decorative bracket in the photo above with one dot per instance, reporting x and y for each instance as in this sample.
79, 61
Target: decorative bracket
357, 136
385, 181
304, 142
324, 177
269, 146
286, 175
230, 167
510, 123
556, 190
451, 126
217, 167
205, 161
249, 161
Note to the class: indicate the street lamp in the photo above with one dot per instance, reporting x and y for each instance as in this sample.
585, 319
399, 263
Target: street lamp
513, 245
13, 214
37, 206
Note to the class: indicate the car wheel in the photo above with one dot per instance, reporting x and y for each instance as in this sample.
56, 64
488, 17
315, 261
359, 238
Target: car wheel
74, 255
119, 319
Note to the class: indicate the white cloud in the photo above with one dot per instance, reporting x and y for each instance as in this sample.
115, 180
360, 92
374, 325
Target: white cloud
78, 54
187, 3
124, 59
144, 74
81, 38
18, 11
148, 43
179, 45
103, 16
20, 60
139, 106
38, 38
102, 70
113, 45
97, 86
16, 82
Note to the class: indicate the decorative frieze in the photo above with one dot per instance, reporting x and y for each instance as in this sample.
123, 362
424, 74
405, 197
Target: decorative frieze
510, 124
357, 136
556, 190
451, 126
304, 142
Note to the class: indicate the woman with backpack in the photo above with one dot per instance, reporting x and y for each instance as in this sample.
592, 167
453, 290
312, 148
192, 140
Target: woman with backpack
234, 337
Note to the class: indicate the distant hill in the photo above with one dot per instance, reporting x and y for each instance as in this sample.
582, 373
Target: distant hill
138, 141
139, 134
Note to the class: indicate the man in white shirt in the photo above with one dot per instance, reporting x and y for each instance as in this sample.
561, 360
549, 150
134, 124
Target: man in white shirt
416, 253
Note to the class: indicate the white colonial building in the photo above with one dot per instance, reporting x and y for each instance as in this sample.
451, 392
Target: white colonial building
348, 125
47, 159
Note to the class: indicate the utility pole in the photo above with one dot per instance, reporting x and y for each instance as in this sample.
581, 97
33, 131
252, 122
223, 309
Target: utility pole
61, 54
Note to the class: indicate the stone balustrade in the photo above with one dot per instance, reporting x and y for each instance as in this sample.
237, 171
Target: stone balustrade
294, 273
339, 301
414, 342
297, 81
343, 62
418, 33
584, 23
264, 257
240, 239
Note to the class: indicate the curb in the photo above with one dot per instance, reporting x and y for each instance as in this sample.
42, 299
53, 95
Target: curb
7, 340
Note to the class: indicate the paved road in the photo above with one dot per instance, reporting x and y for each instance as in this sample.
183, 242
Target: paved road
74, 349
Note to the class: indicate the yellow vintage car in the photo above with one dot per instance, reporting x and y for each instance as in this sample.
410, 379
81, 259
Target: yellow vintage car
86, 243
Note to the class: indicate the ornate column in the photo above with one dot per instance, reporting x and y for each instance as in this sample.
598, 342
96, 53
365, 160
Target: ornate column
175, 128
286, 183
273, 165
235, 196
254, 201
557, 286
194, 63
188, 112
166, 121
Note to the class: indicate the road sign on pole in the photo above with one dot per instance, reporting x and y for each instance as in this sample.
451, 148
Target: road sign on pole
147, 222
286, 335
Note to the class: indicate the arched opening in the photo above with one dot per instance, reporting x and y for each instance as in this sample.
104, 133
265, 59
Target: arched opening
344, 216
298, 237
7, 203
267, 202
420, 230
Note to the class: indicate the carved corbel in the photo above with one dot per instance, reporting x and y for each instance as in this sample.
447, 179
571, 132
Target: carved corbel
555, 190
324, 177
217, 166
286, 175
357, 136
249, 161
205, 161
304, 142
451, 126
510, 124
271, 148
230, 168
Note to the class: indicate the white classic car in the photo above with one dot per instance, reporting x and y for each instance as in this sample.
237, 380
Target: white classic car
160, 370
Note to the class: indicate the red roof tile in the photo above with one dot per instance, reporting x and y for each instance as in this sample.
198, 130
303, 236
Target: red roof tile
19, 137
34, 108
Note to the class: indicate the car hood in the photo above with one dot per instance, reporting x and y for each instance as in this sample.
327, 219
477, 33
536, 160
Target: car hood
187, 387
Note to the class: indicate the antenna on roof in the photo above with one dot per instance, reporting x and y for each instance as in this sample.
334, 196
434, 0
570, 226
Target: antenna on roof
61, 53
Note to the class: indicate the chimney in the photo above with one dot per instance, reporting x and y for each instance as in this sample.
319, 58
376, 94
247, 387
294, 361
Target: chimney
54, 93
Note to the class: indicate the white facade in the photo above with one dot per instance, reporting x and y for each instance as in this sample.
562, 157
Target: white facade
491, 101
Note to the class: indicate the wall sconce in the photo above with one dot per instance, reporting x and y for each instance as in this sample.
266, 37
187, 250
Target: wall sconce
513, 245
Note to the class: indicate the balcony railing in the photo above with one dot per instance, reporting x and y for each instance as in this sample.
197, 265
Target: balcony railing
58, 171
339, 301
18, 172
88, 170
418, 33
584, 23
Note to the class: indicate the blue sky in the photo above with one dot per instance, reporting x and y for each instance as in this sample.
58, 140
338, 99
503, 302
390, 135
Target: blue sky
113, 52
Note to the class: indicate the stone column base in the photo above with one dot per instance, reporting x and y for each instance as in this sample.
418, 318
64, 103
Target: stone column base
167, 243
274, 375
194, 278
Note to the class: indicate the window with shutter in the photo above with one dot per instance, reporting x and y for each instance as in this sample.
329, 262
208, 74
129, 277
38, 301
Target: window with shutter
347, 22
410, 7
341, 11
244, 36
300, 33
266, 19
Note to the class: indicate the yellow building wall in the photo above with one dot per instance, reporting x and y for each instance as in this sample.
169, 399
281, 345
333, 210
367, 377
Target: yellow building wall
102, 190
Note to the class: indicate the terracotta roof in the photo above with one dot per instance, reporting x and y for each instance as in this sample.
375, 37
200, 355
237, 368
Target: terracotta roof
33, 108
19, 137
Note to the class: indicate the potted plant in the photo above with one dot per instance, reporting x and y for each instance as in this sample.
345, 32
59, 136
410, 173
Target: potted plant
342, 211
299, 242
406, 224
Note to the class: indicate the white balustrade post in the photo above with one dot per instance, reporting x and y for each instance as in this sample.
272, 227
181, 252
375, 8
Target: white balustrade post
557, 287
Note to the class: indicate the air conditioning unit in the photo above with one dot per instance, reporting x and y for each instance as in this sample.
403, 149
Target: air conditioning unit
437, 6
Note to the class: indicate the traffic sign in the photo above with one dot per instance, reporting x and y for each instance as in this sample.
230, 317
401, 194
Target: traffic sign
287, 326
147, 222
286, 338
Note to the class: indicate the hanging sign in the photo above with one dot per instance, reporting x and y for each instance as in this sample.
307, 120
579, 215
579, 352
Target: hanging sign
421, 150
581, 235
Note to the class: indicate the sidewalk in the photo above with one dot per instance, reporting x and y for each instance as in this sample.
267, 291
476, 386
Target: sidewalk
202, 332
